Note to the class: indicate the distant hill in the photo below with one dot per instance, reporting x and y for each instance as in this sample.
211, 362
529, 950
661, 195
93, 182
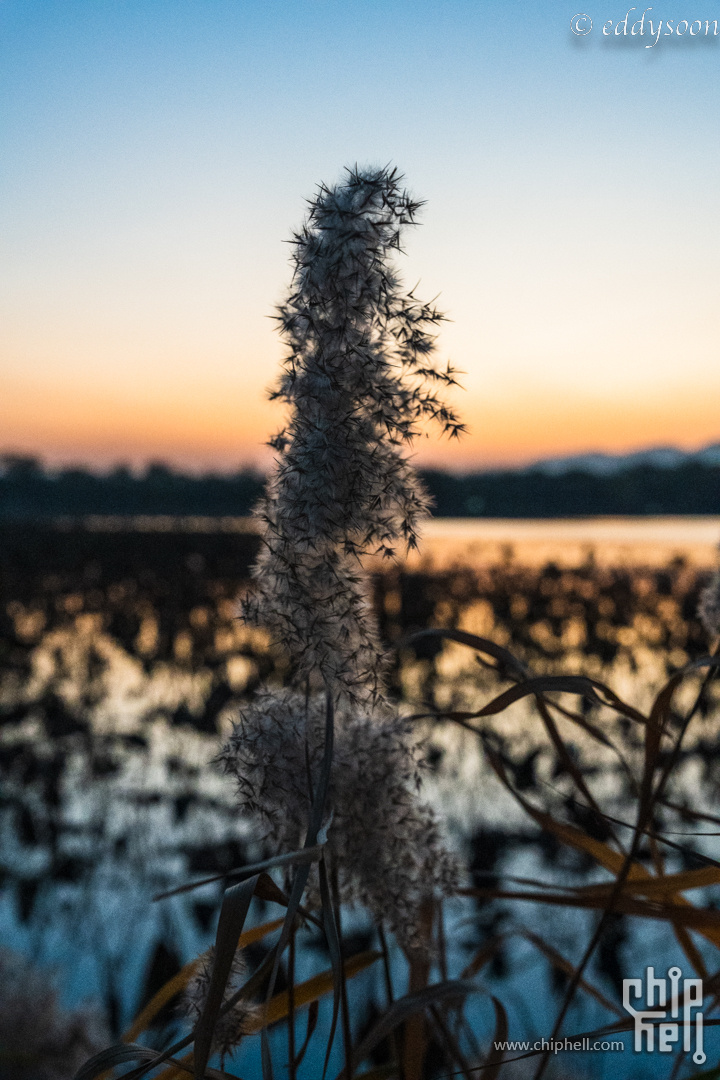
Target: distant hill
660, 457
652, 482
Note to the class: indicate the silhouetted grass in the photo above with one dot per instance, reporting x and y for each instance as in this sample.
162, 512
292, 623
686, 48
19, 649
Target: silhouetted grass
553, 637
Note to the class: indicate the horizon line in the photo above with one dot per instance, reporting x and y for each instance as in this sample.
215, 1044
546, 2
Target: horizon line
182, 465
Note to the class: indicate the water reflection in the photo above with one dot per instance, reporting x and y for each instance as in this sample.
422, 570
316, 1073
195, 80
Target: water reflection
122, 663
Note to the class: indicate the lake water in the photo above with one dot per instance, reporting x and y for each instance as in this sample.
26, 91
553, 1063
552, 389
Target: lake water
613, 541
123, 663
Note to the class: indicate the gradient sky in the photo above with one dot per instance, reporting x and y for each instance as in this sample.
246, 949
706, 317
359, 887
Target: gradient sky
156, 155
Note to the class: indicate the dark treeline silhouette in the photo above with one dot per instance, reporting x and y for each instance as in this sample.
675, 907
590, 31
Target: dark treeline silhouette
689, 488
28, 491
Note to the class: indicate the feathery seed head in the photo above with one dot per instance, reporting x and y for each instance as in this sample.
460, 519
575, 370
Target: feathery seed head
709, 607
230, 1027
359, 383
384, 842
38, 1040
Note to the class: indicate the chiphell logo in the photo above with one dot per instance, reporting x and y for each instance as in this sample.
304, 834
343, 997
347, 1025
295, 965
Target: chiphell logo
686, 1000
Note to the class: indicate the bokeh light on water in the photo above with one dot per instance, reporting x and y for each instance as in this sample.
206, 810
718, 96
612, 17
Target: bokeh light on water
122, 664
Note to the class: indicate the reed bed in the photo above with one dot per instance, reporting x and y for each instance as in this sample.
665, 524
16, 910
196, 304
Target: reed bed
324, 693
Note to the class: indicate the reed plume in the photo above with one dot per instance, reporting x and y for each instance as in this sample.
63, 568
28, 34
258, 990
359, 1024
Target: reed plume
709, 607
359, 382
38, 1039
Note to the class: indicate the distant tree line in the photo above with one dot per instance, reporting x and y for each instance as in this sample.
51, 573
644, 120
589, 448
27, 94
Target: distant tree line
689, 488
28, 491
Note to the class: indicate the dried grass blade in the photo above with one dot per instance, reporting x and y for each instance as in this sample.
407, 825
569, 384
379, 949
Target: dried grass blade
518, 670
662, 705
654, 729
175, 1070
241, 873
623, 866
570, 766
618, 704
483, 956
333, 943
664, 698
317, 812
601, 852
705, 920
311, 990
405, 1007
233, 913
694, 815
494, 1062
415, 1039
493, 876
588, 727
484, 645
179, 982
266, 889
668, 886
539, 684
566, 967
245, 991
313, 1013
114, 1055
662, 838
181, 1066
452, 1047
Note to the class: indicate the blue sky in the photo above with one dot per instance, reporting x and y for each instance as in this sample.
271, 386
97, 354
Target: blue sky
158, 154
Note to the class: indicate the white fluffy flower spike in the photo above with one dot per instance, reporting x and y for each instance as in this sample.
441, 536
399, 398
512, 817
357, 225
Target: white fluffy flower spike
384, 843
359, 382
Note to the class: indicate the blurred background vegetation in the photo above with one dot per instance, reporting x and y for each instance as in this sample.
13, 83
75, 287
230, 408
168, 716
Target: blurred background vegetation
28, 490
123, 663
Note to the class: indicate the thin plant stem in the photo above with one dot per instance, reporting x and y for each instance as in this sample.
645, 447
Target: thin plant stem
644, 820
394, 1049
442, 942
344, 1009
291, 1005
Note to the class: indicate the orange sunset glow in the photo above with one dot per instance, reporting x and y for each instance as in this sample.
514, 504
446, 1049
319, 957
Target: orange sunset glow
157, 166
215, 429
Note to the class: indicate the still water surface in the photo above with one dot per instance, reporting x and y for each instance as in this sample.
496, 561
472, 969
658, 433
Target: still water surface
109, 789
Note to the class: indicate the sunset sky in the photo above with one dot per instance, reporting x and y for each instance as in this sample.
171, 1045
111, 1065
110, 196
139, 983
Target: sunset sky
156, 155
